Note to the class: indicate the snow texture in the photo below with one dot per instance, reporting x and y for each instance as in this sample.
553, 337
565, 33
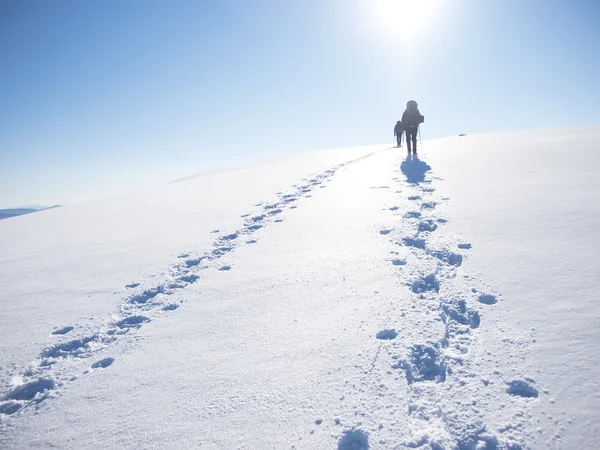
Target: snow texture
351, 299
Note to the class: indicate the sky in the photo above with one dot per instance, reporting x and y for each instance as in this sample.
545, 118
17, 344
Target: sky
108, 97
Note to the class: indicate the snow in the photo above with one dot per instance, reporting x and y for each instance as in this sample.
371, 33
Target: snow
351, 299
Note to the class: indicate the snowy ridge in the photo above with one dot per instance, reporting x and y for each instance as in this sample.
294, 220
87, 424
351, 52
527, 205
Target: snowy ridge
63, 360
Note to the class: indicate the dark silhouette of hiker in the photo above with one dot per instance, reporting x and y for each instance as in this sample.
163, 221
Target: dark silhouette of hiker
411, 119
398, 131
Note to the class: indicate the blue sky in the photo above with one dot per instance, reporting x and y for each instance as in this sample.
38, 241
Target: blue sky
100, 98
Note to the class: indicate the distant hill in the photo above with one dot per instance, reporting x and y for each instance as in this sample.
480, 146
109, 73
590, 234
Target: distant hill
13, 212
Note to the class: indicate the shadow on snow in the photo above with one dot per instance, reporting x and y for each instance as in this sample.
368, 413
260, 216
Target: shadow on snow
414, 169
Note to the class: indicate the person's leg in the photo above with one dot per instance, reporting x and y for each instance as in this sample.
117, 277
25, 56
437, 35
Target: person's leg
414, 138
408, 139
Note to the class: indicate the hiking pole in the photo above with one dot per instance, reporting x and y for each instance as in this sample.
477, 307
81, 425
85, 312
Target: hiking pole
421, 143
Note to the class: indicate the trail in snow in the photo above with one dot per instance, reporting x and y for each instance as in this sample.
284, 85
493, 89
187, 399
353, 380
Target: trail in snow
447, 393
427, 348
59, 362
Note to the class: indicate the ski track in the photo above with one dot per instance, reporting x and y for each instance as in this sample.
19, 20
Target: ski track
439, 367
60, 362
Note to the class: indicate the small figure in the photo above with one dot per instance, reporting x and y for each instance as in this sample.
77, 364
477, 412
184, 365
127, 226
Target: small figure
398, 131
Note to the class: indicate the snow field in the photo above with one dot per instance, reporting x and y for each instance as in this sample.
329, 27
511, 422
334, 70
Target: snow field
368, 305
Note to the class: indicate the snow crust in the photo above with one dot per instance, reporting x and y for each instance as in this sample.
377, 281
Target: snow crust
351, 299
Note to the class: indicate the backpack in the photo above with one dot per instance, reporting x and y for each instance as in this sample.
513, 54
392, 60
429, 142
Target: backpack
415, 118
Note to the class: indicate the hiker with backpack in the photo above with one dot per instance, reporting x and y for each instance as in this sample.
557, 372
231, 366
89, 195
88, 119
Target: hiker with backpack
398, 131
411, 119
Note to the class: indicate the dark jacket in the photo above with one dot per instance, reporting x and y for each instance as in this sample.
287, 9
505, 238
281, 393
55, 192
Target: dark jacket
412, 118
398, 129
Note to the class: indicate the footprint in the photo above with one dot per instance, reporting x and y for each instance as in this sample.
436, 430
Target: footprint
32, 391
425, 365
9, 407
193, 262
229, 237
387, 334
394, 208
103, 363
181, 283
189, 278
425, 284
384, 232
224, 268
457, 310
220, 251
75, 348
427, 226
258, 218
465, 246
278, 220
147, 295
414, 197
428, 205
251, 241
412, 215
414, 242
454, 259
134, 285
170, 307
132, 322
63, 330
399, 262
487, 299
252, 228
521, 388
354, 440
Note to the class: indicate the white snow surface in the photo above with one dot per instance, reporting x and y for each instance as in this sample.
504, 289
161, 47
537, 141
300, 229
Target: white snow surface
346, 299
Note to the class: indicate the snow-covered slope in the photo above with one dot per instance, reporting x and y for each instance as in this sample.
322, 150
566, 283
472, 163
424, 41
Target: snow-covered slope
347, 299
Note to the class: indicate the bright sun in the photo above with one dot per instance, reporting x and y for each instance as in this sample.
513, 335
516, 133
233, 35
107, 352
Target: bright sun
404, 18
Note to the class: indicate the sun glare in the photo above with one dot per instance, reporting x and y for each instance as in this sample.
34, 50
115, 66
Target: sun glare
407, 19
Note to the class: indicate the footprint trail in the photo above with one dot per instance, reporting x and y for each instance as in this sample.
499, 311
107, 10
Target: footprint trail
63, 359
445, 388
